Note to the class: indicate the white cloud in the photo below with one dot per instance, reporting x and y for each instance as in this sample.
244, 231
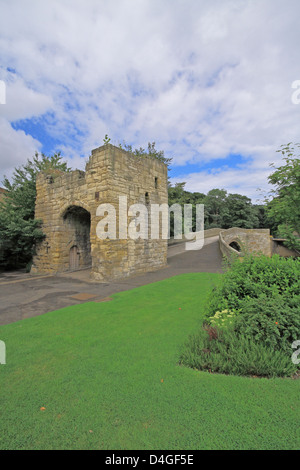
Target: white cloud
22, 102
201, 79
16, 148
250, 183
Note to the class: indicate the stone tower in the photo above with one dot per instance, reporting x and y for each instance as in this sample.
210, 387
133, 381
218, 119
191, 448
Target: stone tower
67, 204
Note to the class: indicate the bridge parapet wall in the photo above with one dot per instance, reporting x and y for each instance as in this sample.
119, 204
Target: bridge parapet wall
245, 241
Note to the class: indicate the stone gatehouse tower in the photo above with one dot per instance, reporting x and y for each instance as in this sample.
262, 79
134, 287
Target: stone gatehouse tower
67, 204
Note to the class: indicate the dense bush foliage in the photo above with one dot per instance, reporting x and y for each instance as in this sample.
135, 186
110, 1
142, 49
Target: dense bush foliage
270, 321
19, 230
254, 277
284, 207
252, 319
223, 351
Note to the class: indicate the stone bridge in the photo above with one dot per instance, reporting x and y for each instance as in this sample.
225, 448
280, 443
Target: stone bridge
239, 242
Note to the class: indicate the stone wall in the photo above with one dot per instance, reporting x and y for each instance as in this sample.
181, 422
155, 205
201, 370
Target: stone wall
67, 204
254, 241
211, 232
278, 248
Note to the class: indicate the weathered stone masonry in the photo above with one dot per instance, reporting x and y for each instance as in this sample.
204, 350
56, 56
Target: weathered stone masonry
67, 205
254, 241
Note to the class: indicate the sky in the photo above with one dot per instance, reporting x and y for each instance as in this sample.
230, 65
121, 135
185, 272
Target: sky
212, 83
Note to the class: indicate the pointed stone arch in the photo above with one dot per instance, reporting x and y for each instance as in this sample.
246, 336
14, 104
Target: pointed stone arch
77, 222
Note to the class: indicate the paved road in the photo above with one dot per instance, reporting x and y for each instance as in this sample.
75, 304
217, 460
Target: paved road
23, 296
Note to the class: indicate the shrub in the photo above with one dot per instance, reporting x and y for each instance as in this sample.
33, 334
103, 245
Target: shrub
230, 353
269, 320
254, 315
223, 319
256, 276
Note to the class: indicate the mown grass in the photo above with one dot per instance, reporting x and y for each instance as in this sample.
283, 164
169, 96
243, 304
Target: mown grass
108, 377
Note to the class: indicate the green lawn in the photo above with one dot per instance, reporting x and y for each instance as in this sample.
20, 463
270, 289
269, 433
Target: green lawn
107, 375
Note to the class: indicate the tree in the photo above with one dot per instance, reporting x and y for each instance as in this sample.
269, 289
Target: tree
260, 212
284, 208
239, 212
215, 208
220, 209
178, 195
19, 230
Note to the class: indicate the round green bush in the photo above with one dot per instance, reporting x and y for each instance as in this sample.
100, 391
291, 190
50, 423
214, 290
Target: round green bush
253, 277
251, 321
269, 320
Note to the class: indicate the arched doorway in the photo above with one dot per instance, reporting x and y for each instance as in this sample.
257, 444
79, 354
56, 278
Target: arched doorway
77, 223
74, 258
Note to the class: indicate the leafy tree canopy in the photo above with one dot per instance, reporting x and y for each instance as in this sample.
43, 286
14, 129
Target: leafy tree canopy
284, 207
19, 230
220, 208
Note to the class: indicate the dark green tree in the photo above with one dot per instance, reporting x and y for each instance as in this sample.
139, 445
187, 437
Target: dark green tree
284, 208
261, 214
19, 230
215, 208
239, 212
178, 195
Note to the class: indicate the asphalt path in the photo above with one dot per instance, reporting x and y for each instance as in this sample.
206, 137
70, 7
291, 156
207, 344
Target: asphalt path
23, 295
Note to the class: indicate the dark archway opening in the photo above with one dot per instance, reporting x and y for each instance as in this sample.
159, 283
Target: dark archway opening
235, 246
77, 222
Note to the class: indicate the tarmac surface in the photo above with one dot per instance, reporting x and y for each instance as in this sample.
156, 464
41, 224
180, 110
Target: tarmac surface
24, 295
